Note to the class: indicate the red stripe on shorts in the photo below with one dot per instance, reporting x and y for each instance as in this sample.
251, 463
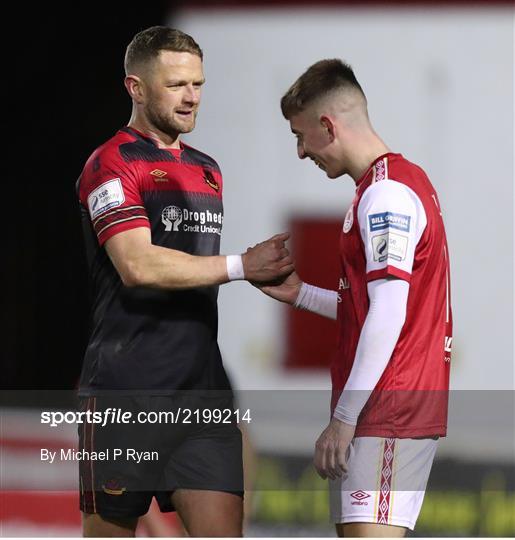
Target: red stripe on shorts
386, 481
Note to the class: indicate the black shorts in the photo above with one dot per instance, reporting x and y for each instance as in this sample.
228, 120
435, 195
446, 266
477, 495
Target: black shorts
125, 461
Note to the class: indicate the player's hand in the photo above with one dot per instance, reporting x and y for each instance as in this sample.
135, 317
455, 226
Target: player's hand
331, 449
284, 289
268, 260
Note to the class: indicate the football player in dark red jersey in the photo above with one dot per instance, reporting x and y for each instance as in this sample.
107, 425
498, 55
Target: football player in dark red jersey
390, 372
152, 217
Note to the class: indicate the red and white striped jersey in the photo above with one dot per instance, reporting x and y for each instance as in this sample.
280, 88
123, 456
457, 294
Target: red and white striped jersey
394, 228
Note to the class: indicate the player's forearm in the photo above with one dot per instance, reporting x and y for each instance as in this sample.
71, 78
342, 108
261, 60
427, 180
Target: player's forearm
379, 335
164, 268
321, 301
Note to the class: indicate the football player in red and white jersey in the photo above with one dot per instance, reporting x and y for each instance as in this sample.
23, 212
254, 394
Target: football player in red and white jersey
390, 372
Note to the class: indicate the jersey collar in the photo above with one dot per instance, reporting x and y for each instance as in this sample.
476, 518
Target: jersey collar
141, 135
367, 173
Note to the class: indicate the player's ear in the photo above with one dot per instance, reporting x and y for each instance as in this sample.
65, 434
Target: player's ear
328, 126
135, 88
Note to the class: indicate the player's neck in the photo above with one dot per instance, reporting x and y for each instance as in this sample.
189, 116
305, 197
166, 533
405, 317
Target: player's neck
162, 140
365, 154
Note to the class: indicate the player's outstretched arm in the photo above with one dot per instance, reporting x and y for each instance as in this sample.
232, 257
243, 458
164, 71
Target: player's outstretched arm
292, 290
140, 263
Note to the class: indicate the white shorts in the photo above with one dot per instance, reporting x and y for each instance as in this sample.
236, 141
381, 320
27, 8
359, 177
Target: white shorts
385, 482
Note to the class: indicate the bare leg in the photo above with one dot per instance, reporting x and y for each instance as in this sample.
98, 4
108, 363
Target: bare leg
209, 513
368, 530
156, 524
94, 525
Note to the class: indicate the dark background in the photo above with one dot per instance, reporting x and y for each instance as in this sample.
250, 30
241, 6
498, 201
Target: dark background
65, 97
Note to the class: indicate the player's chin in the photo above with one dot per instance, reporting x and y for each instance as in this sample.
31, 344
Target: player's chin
186, 126
334, 173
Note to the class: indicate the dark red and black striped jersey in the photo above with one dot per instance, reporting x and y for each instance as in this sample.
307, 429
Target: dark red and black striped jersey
146, 340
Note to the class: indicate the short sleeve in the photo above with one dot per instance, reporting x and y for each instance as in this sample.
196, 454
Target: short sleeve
109, 191
391, 220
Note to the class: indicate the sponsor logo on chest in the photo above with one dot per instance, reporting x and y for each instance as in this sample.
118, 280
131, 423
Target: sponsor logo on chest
343, 284
180, 219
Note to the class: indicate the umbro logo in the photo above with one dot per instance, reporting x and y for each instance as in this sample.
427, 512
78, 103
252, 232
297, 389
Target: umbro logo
359, 495
159, 175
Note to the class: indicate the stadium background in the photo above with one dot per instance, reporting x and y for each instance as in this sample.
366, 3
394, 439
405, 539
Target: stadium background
439, 80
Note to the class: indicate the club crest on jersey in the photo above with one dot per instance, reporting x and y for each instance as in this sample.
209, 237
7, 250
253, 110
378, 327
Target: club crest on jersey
209, 179
349, 219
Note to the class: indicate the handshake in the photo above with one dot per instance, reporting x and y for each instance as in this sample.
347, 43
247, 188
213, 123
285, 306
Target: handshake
269, 267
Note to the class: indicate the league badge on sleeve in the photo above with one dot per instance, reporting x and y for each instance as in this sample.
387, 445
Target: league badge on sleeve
389, 246
106, 196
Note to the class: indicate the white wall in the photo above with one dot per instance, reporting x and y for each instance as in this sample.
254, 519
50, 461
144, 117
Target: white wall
440, 89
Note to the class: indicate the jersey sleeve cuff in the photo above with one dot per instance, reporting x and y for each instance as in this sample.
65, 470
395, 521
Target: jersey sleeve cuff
115, 228
388, 271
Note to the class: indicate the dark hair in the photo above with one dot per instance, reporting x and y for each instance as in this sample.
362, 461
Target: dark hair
318, 80
145, 45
